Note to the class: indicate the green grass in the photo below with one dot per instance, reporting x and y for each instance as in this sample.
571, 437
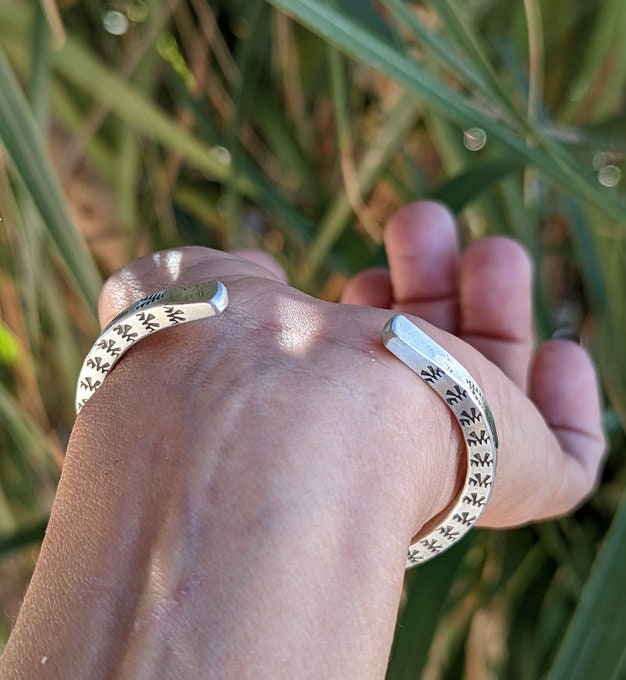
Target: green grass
298, 126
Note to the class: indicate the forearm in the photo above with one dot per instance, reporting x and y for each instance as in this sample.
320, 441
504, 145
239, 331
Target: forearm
208, 556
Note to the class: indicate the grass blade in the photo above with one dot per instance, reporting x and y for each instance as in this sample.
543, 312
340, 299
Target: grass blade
428, 588
446, 51
596, 638
40, 69
22, 139
610, 342
460, 190
605, 51
23, 537
398, 121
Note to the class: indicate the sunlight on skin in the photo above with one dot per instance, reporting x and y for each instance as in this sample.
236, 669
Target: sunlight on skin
130, 285
300, 325
171, 260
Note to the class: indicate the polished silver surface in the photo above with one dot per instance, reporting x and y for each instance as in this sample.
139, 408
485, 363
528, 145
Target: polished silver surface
153, 313
456, 387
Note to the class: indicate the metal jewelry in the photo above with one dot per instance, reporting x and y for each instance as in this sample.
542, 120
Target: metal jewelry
456, 387
153, 313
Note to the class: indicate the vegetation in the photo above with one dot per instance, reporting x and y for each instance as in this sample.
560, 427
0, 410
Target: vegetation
298, 126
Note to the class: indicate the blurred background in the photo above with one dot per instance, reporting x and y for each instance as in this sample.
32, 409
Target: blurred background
298, 127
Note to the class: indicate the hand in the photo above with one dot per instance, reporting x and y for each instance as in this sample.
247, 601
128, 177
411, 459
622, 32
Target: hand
545, 401
240, 493
484, 297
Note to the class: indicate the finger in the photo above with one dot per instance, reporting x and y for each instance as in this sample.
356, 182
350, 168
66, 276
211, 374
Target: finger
176, 267
563, 386
496, 304
550, 451
371, 288
422, 250
263, 260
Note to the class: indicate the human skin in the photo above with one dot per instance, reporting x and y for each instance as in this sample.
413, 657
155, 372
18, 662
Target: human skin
238, 498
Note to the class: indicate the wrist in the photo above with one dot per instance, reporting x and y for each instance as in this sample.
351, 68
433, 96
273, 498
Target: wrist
197, 498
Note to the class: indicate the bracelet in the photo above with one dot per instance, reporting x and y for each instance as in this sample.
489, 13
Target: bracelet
155, 312
456, 387
407, 342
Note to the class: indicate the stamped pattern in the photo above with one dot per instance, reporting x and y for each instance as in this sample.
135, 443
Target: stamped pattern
442, 373
153, 313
